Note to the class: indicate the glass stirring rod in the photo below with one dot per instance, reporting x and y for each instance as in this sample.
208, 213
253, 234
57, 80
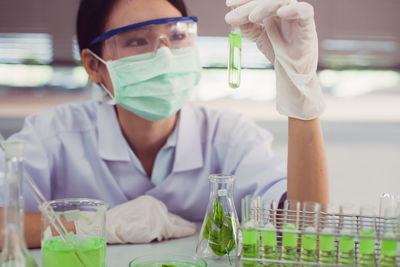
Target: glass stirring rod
235, 58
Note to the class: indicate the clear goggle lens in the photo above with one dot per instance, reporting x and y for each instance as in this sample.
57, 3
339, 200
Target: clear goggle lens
148, 38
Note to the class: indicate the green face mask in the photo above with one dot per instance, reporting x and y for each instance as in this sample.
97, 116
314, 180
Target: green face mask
154, 87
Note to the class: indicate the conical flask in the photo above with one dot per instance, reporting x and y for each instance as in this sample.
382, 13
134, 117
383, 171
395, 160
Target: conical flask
14, 253
218, 240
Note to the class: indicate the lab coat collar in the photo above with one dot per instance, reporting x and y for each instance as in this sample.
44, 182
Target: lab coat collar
111, 143
189, 152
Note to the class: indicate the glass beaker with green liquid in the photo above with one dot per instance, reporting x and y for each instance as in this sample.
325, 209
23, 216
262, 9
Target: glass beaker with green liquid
289, 234
310, 218
329, 220
347, 232
85, 221
367, 236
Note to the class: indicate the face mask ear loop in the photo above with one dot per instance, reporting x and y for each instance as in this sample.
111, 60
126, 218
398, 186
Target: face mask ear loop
112, 100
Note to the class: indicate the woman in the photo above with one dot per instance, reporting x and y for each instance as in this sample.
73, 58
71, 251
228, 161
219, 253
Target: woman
144, 140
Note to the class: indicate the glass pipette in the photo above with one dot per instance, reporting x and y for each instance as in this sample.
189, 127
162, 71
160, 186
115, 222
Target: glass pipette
235, 58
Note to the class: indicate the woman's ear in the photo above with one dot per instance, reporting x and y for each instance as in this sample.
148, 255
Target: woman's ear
92, 66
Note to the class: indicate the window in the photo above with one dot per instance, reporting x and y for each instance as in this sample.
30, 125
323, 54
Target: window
26, 48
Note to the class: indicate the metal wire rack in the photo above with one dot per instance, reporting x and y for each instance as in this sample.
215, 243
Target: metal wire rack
347, 239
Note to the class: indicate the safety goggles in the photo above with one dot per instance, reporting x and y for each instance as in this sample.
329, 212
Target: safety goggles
145, 37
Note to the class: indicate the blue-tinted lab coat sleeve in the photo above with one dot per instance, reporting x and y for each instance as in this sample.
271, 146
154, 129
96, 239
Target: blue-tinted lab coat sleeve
250, 158
36, 162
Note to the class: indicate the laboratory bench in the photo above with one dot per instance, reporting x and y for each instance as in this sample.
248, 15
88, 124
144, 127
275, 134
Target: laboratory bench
121, 255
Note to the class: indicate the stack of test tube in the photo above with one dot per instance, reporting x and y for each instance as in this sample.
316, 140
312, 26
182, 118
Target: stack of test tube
310, 234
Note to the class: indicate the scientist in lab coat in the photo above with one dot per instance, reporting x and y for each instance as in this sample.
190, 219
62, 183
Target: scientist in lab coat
145, 146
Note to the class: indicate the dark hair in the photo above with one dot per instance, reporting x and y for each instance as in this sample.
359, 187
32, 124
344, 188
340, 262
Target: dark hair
92, 18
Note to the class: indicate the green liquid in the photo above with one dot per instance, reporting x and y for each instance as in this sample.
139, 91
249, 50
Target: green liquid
308, 248
346, 250
250, 247
388, 253
167, 263
289, 254
269, 252
386, 261
88, 251
327, 257
367, 249
327, 249
289, 242
235, 55
269, 245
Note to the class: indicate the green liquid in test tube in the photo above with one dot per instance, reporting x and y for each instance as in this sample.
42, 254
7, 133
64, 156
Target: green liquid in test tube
289, 240
310, 215
327, 246
308, 248
390, 233
250, 247
328, 223
388, 253
235, 58
348, 230
269, 245
289, 245
367, 249
251, 237
367, 229
346, 249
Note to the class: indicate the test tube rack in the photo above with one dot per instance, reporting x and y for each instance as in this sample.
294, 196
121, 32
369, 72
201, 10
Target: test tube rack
352, 223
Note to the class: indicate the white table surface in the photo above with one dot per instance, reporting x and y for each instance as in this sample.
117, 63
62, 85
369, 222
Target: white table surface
121, 255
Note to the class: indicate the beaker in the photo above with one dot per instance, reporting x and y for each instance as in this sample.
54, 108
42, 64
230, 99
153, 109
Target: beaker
218, 239
14, 252
84, 220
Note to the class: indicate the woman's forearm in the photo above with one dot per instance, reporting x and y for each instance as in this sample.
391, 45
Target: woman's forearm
32, 228
307, 170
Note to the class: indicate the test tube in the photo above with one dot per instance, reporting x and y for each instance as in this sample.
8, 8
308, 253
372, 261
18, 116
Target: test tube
367, 236
329, 220
251, 237
390, 235
386, 200
268, 236
310, 218
289, 239
347, 232
235, 58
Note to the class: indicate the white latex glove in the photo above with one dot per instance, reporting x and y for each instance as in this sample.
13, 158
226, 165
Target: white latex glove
284, 31
143, 220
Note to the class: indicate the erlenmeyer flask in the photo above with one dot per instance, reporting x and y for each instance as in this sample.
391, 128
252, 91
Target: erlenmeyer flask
15, 253
218, 240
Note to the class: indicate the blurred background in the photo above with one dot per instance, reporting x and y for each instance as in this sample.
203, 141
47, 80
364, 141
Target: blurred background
359, 71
